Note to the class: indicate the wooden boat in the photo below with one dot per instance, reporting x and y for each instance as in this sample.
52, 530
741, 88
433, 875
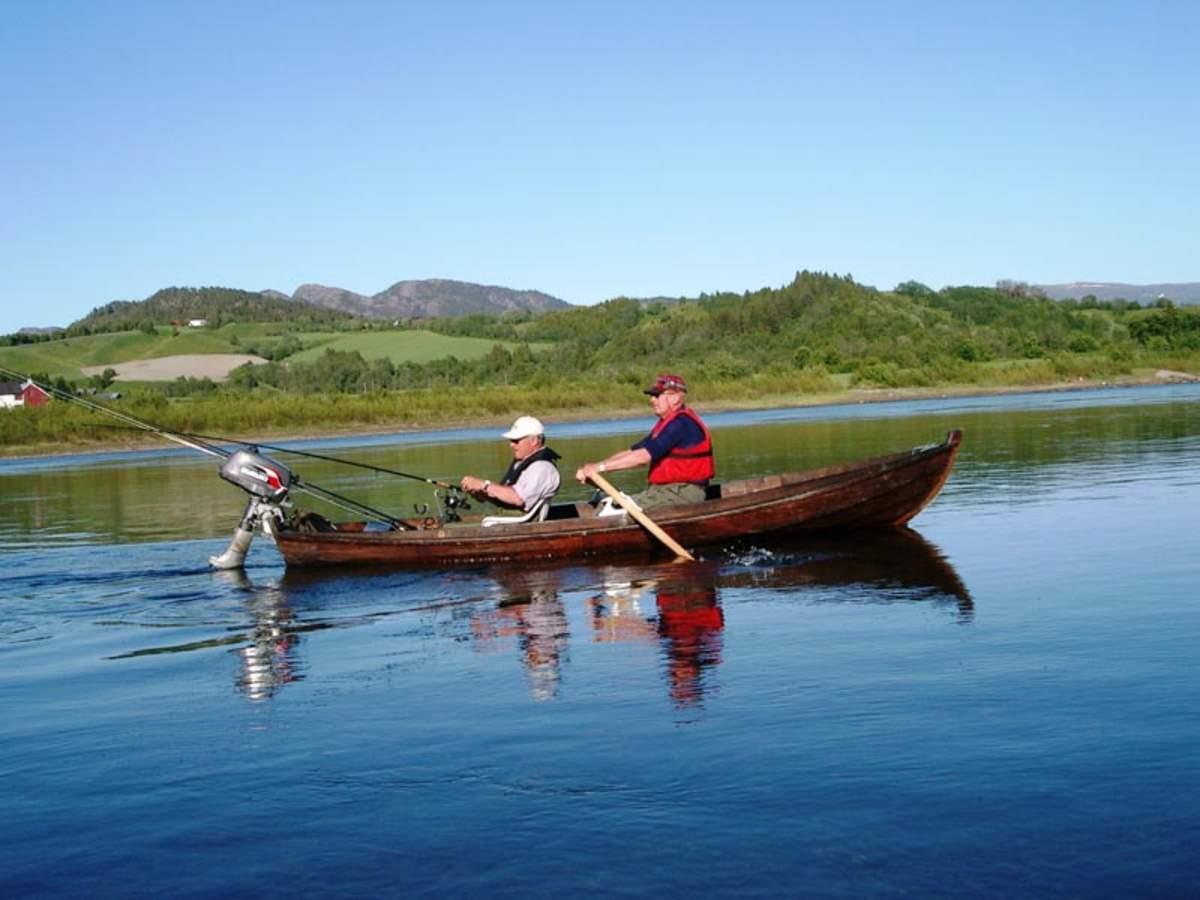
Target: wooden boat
885, 491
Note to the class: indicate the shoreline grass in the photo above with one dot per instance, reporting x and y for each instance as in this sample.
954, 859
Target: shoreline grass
60, 428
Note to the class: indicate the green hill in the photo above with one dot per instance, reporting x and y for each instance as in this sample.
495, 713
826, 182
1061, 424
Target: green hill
67, 356
820, 330
216, 305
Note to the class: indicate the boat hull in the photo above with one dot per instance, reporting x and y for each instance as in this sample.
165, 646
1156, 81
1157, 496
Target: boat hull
886, 491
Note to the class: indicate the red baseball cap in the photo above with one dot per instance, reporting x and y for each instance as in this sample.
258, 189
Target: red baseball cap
667, 383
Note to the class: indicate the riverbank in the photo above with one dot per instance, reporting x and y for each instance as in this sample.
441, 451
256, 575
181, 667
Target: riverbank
137, 440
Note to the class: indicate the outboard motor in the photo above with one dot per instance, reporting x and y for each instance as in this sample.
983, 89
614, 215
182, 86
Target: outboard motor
258, 475
267, 482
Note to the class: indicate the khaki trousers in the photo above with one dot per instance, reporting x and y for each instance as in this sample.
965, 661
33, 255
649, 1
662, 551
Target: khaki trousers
658, 495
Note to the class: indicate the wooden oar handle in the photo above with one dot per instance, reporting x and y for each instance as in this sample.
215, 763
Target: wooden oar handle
646, 522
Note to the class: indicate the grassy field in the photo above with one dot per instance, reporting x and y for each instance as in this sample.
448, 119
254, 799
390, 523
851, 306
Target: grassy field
404, 346
69, 356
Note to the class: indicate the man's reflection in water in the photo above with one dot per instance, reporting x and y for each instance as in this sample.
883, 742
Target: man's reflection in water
531, 612
689, 625
269, 658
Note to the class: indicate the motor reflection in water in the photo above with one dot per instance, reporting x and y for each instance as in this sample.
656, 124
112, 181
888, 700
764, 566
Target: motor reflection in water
267, 650
269, 656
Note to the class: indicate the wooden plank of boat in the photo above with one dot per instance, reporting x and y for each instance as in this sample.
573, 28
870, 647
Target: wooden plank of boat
885, 491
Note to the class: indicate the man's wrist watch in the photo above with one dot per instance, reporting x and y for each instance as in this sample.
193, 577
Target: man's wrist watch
486, 484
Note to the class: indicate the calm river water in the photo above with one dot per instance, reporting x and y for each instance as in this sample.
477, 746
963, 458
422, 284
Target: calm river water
1004, 701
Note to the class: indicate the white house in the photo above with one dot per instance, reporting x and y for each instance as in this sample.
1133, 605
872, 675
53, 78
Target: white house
197, 323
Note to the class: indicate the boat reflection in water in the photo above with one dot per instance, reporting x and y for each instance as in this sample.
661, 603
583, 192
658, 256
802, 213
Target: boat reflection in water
889, 565
678, 609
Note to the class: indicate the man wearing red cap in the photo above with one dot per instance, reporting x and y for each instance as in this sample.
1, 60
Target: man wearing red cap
678, 450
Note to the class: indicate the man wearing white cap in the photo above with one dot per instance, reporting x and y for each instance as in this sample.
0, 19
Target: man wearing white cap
531, 479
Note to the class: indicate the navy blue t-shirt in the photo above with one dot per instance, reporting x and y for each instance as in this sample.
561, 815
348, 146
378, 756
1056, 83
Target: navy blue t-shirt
681, 431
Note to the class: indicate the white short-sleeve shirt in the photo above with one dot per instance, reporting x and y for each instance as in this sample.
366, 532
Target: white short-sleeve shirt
538, 482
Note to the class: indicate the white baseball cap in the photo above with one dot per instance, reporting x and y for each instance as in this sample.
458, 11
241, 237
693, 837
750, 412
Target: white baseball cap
524, 427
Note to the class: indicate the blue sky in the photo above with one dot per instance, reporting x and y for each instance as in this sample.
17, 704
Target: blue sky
590, 150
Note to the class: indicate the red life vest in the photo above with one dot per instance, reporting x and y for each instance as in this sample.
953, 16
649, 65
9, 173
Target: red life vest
694, 463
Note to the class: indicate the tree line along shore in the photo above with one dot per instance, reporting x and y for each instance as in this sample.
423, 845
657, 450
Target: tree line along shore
821, 338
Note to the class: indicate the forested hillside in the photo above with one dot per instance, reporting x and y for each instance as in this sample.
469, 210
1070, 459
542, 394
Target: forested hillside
819, 325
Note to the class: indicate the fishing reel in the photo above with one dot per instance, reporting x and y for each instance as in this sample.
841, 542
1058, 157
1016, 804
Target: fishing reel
449, 504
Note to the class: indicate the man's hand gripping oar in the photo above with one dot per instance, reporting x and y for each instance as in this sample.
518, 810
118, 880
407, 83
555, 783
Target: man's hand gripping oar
594, 476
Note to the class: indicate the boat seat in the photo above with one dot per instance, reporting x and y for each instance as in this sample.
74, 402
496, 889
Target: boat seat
537, 514
567, 511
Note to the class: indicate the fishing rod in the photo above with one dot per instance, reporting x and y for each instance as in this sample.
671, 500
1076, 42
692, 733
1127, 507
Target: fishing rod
452, 503
199, 443
132, 423
333, 459
171, 434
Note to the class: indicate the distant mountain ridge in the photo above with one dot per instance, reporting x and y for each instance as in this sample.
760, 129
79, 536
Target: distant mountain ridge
429, 298
1145, 294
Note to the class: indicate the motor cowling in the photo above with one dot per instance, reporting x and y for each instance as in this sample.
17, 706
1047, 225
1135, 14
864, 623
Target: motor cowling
258, 475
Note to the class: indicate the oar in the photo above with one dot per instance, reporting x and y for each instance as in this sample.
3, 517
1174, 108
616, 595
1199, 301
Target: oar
630, 507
